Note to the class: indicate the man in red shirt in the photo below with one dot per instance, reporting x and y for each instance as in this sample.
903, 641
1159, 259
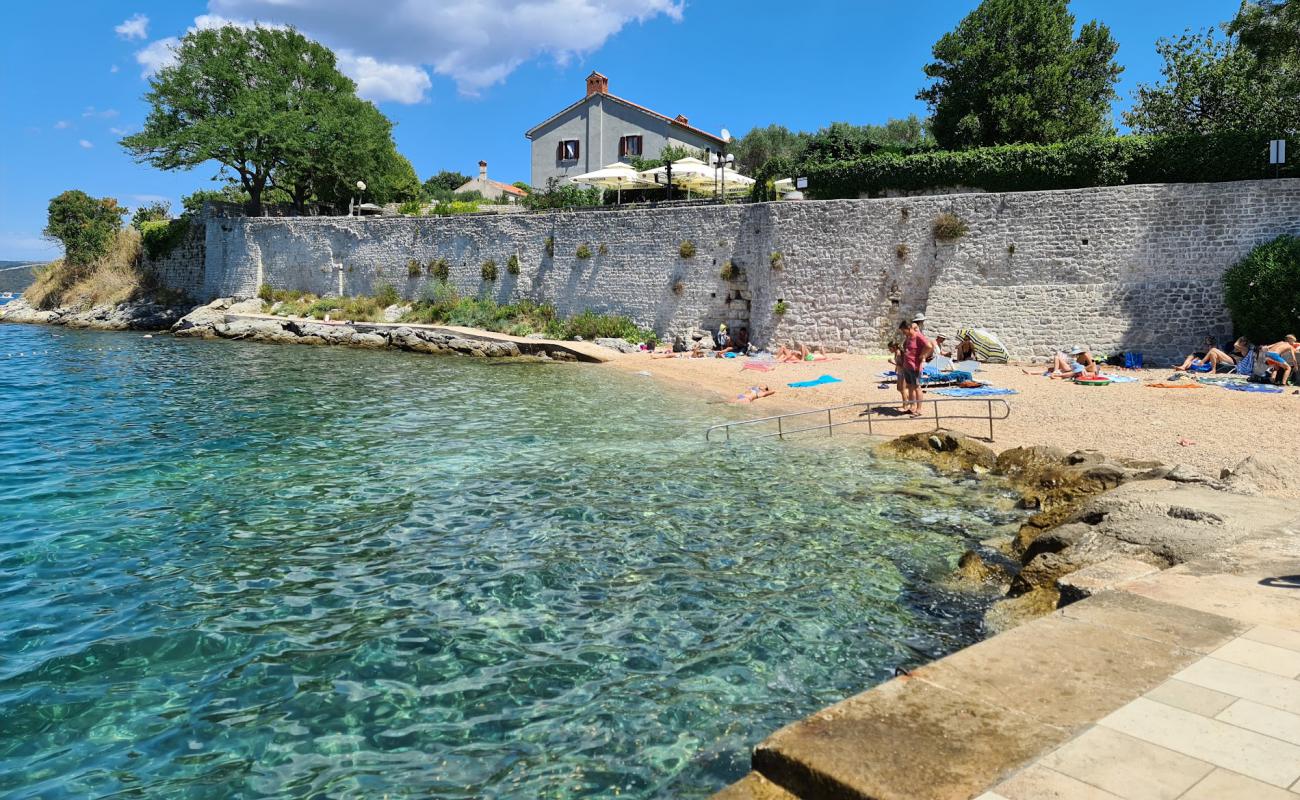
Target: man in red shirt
915, 350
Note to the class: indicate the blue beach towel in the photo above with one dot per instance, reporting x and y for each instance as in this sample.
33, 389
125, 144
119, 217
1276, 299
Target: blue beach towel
1262, 388
818, 382
1121, 378
982, 391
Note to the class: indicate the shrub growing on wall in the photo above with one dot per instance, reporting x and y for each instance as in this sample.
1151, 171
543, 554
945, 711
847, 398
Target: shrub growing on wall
413, 269
780, 308
584, 251
778, 260
948, 228
489, 270
1262, 291
686, 249
512, 264
729, 271
549, 246
160, 237
439, 270
386, 295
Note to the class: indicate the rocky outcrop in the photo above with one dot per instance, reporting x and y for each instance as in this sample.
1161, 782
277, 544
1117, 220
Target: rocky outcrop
136, 315
1101, 519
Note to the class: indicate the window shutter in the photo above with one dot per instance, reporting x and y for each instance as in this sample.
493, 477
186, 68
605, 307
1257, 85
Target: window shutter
559, 150
622, 146
577, 146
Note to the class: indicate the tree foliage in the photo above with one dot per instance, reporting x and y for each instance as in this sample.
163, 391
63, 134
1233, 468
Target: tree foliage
1270, 29
151, 212
1262, 291
1013, 71
84, 225
446, 180
1212, 85
272, 109
561, 195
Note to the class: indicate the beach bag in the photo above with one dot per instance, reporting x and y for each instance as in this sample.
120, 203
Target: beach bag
1132, 361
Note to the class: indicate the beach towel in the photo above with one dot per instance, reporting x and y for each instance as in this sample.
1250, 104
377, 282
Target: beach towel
983, 391
760, 366
1262, 388
988, 348
815, 382
1219, 380
1246, 364
1183, 385
1121, 378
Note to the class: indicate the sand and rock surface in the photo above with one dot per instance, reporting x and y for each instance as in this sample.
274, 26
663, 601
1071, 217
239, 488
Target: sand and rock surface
144, 315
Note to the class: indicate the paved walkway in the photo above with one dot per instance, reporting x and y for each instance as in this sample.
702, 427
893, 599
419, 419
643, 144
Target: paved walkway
1225, 727
1179, 684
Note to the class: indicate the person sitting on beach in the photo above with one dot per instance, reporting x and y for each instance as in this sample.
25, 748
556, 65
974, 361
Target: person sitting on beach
941, 348
740, 344
723, 343
753, 393
1077, 364
1281, 359
965, 349
1214, 359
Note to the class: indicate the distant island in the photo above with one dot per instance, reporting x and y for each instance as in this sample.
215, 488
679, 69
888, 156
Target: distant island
16, 276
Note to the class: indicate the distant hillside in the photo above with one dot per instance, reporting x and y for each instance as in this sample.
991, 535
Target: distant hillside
16, 276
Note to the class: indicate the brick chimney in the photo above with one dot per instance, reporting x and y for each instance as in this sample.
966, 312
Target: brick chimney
482, 171
597, 84
682, 119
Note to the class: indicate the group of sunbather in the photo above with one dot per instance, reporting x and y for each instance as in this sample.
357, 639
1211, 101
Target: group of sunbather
1275, 363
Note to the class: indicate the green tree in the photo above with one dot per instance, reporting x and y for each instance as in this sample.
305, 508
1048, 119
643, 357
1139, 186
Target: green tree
760, 145
523, 186
446, 180
1014, 72
1271, 30
151, 212
1262, 291
270, 107
1210, 86
84, 225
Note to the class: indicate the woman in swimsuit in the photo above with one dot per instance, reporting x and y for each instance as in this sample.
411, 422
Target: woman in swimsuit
753, 393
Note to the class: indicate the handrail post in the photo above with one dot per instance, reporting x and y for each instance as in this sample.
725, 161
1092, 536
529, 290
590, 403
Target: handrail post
936, 414
780, 433
990, 421
830, 429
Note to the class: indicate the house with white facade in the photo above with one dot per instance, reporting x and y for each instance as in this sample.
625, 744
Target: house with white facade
490, 189
602, 128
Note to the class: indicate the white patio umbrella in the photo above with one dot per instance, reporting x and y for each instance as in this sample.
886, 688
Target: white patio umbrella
690, 173
734, 182
617, 176
784, 185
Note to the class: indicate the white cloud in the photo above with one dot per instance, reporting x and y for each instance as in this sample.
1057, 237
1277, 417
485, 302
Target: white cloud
86, 144
62, 124
157, 55
113, 69
119, 131
477, 43
137, 27
379, 82
108, 113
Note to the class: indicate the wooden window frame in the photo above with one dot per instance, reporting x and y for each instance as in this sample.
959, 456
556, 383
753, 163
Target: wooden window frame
560, 151
624, 151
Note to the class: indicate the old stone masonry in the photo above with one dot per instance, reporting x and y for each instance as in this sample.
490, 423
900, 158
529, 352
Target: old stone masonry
1112, 268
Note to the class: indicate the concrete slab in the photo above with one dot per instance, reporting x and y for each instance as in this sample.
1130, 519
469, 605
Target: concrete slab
1125, 766
903, 740
1234, 679
1263, 719
754, 787
1038, 782
1190, 697
1060, 671
1157, 620
1240, 597
1277, 637
1099, 577
1225, 785
1263, 758
1261, 656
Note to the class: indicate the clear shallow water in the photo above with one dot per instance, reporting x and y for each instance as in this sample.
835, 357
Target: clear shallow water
240, 570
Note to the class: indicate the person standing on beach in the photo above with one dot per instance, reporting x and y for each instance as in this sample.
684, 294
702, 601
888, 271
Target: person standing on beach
916, 348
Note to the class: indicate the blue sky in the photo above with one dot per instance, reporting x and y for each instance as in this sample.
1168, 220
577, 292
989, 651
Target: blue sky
463, 79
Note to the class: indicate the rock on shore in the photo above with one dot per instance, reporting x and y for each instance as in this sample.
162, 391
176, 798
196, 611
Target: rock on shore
1103, 521
219, 319
136, 315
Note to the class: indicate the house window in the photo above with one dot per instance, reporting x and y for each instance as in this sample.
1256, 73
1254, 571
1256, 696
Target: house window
567, 150
629, 146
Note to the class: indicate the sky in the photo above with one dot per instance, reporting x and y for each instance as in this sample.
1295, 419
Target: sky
463, 79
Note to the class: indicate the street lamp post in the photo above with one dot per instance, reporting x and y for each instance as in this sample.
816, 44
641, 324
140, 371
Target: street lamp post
361, 195
720, 161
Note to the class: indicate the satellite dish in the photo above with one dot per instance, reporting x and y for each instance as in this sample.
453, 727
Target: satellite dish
726, 135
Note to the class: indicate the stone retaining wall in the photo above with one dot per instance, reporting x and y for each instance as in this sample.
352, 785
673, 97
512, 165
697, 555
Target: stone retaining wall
1112, 268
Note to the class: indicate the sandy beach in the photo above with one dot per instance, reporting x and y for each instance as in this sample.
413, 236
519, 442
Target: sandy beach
1207, 428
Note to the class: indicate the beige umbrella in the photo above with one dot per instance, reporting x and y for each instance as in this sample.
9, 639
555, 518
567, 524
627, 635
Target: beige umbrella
617, 176
689, 173
734, 182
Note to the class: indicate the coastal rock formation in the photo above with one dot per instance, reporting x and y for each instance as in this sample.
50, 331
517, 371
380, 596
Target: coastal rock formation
1101, 520
136, 315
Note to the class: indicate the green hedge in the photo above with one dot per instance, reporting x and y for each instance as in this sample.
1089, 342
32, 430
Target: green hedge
1089, 161
1262, 291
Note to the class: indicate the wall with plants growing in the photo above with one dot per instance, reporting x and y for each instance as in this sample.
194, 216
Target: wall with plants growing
1112, 268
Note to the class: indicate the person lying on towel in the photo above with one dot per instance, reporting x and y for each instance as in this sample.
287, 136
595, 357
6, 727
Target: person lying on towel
1215, 360
1078, 364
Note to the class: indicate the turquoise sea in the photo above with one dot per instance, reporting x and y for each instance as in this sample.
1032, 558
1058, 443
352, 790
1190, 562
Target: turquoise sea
242, 570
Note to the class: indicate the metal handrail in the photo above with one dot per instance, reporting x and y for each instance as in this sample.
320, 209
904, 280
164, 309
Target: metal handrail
865, 416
